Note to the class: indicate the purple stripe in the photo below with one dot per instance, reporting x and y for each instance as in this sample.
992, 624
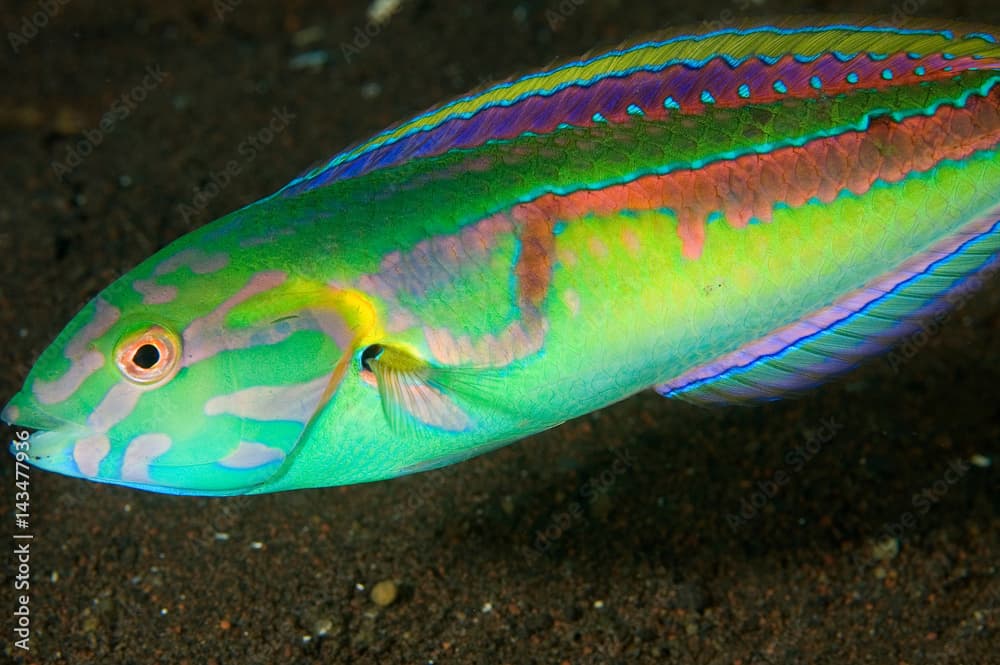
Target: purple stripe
576, 104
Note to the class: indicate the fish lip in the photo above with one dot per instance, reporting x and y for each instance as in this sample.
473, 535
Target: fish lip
24, 412
50, 440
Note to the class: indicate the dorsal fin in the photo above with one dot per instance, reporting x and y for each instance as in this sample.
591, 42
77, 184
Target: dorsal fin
682, 73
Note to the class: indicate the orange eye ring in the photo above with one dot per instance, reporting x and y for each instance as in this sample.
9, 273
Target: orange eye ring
150, 356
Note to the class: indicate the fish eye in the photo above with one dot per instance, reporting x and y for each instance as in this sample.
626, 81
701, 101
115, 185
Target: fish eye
149, 356
146, 356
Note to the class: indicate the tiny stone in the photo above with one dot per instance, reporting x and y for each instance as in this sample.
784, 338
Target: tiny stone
371, 90
384, 593
381, 11
322, 627
886, 550
982, 461
309, 60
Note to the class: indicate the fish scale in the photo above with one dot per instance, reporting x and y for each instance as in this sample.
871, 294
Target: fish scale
725, 217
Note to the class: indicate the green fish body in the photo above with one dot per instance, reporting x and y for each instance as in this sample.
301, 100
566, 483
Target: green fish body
724, 217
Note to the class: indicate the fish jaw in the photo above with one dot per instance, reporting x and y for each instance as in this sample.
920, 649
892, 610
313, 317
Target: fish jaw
56, 445
52, 442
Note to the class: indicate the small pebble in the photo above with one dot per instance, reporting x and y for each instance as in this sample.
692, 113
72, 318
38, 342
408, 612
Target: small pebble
886, 550
982, 461
322, 627
384, 593
381, 11
309, 60
371, 90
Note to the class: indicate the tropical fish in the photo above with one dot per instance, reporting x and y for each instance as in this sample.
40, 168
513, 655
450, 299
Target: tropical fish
725, 217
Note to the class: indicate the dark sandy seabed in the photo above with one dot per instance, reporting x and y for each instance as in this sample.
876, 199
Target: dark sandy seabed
640, 566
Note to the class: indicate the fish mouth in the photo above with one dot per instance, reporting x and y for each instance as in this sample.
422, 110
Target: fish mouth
51, 440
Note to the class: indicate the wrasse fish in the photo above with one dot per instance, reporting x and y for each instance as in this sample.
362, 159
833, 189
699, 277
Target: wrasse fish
726, 217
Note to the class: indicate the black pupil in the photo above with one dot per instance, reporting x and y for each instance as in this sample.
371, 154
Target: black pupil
146, 356
370, 353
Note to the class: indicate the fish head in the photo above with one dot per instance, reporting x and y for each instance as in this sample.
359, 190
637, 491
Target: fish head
192, 374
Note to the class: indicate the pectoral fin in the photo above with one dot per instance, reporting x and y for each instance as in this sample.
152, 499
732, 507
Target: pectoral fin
416, 393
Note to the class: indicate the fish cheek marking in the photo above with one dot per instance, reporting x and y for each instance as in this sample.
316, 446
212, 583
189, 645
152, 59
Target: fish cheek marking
88, 453
141, 452
84, 360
